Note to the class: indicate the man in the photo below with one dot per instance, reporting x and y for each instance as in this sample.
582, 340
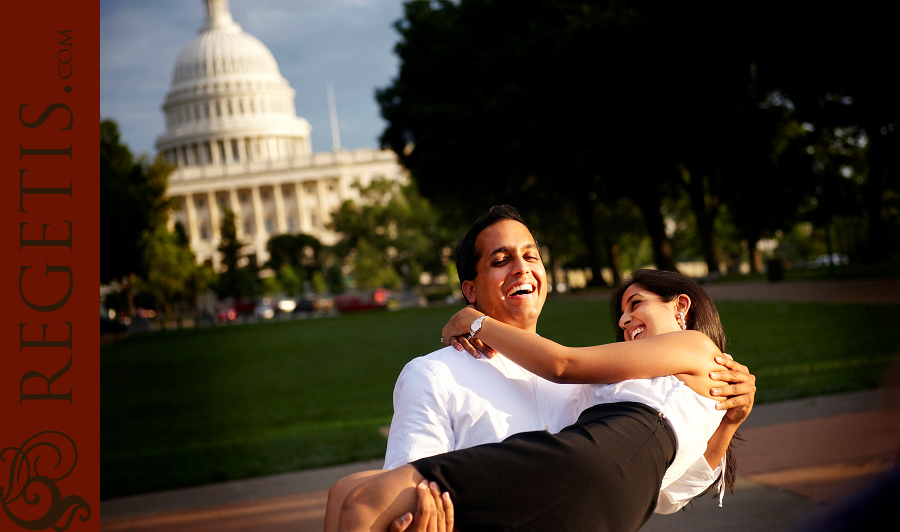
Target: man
448, 400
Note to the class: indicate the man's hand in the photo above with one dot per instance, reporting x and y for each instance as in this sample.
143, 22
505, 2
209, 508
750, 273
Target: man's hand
740, 389
433, 514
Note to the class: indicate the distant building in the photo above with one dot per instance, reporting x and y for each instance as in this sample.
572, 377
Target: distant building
235, 137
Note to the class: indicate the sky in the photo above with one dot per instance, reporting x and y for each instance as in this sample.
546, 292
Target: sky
348, 43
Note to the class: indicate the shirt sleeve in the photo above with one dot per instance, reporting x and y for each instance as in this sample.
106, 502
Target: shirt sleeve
421, 425
693, 482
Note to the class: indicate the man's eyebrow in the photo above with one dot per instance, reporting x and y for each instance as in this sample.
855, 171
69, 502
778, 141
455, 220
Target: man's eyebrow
507, 249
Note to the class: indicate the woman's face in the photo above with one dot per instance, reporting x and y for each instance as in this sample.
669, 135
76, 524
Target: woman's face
645, 314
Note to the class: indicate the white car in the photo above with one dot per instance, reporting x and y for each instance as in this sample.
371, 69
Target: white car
838, 259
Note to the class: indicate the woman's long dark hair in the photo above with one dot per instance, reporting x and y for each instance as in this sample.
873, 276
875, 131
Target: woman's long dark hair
702, 316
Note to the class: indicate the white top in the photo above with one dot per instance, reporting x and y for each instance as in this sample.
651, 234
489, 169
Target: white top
449, 400
693, 419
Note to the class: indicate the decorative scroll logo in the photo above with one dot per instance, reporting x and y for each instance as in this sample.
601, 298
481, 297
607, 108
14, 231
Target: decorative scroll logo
32, 479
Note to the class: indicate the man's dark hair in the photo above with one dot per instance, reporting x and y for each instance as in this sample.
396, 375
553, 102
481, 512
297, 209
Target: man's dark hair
467, 255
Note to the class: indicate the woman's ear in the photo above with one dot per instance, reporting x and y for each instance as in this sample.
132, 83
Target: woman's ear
468, 290
683, 304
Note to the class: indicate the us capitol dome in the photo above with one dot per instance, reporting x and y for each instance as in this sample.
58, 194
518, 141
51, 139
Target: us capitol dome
234, 135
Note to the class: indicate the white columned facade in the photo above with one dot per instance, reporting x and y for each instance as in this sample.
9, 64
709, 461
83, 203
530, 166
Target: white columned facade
280, 219
323, 212
258, 214
238, 214
300, 196
192, 218
214, 222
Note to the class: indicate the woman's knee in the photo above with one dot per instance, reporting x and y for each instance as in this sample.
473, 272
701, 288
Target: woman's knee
360, 505
380, 500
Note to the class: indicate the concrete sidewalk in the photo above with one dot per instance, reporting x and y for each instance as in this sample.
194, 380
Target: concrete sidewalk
800, 457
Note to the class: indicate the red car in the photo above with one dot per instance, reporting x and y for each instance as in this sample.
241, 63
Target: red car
373, 299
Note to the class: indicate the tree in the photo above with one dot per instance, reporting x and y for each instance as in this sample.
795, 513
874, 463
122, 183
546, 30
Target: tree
393, 232
505, 104
291, 282
234, 281
132, 206
565, 107
846, 87
299, 255
173, 275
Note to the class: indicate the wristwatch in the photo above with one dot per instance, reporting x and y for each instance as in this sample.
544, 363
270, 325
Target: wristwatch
476, 326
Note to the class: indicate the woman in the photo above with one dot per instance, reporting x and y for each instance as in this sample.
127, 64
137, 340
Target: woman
605, 471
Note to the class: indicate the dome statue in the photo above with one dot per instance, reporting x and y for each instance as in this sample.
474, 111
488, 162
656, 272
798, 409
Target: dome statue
226, 83
237, 145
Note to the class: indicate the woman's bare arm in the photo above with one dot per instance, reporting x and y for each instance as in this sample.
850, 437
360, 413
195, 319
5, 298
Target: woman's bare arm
735, 414
678, 353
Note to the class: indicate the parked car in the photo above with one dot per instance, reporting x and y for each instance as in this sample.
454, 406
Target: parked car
371, 299
108, 325
309, 303
285, 304
226, 312
245, 306
232, 310
838, 259
264, 310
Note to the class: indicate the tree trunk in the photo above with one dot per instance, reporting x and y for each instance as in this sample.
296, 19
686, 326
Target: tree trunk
755, 256
129, 294
558, 274
587, 220
612, 251
876, 210
706, 206
663, 255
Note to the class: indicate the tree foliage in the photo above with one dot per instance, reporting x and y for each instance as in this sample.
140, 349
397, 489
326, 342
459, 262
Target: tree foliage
393, 233
296, 258
234, 281
132, 204
568, 108
173, 275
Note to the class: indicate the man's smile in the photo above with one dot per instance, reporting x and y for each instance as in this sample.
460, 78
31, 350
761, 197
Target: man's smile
521, 289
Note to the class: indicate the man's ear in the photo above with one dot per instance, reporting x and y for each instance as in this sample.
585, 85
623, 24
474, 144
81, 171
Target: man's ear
468, 290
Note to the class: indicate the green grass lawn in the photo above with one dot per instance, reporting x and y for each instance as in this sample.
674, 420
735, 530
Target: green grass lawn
190, 407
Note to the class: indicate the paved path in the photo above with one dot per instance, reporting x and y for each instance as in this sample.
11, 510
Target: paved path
799, 459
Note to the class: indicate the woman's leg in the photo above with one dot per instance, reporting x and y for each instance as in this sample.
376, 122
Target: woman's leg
377, 502
339, 492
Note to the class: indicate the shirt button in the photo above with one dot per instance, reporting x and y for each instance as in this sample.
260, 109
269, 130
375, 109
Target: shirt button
547, 428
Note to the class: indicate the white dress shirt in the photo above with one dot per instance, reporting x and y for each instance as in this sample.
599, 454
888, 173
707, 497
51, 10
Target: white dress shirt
448, 400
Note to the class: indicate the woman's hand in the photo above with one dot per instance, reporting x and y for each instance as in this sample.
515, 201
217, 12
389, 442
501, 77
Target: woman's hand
473, 346
433, 514
740, 390
456, 333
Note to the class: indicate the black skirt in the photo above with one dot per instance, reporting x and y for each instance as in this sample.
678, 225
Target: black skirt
602, 473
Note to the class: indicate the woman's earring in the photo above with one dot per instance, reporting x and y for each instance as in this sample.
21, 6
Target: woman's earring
679, 317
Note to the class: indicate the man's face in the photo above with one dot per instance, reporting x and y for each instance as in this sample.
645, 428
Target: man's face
510, 281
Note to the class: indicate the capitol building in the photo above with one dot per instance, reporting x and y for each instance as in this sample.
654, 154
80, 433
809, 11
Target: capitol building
234, 136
